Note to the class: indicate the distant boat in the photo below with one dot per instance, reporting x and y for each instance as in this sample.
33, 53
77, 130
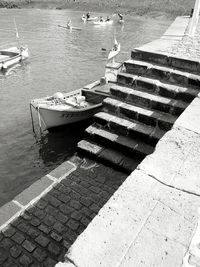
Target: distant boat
66, 108
12, 56
84, 18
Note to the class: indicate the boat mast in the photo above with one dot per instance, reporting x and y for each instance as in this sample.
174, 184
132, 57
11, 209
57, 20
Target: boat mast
17, 34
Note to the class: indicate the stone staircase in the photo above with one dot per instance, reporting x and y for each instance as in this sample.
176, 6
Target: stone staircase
144, 103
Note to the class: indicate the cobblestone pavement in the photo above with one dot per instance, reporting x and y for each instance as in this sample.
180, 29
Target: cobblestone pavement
43, 234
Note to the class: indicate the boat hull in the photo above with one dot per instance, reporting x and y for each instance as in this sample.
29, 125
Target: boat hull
55, 118
12, 56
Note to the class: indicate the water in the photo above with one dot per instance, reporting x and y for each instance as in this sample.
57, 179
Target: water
59, 61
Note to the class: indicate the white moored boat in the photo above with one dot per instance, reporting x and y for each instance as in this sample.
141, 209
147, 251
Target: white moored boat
84, 18
66, 108
12, 56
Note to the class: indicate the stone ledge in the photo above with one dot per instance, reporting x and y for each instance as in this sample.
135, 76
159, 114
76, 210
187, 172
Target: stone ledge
7, 212
33, 191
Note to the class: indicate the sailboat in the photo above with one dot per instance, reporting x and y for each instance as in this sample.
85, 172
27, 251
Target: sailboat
13, 55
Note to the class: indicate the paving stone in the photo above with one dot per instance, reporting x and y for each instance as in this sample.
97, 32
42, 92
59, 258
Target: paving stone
39, 254
85, 221
15, 251
44, 229
55, 192
95, 208
9, 231
1, 236
35, 221
18, 238
24, 227
85, 211
62, 217
40, 214
49, 220
10, 263
52, 200
41, 204
56, 236
75, 204
76, 215
63, 189
54, 249
3, 255
51, 210
26, 216
75, 195
29, 246
73, 224
86, 201
49, 262
33, 233
66, 209
59, 227
25, 260
64, 198
42, 240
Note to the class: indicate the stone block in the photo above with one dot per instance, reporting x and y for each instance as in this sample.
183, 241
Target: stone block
64, 169
7, 212
33, 191
151, 249
190, 118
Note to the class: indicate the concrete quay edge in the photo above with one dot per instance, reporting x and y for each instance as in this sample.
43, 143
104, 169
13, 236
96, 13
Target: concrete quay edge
155, 225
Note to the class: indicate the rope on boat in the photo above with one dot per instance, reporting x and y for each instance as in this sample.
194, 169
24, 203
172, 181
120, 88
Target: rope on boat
32, 118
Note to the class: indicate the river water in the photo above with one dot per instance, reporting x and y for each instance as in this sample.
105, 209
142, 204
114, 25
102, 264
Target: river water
59, 61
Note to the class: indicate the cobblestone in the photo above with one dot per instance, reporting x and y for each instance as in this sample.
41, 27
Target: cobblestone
43, 234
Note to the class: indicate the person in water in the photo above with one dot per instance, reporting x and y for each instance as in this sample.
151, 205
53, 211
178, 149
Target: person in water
101, 19
88, 15
120, 16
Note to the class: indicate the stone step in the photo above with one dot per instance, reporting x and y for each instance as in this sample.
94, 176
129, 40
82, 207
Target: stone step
107, 156
151, 101
148, 134
161, 72
157, 87
166, 60
126, 145
155, 118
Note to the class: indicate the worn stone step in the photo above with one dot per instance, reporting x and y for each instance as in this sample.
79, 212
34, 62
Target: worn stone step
155, 118
139, 98
128, 146
167, 60
161, 72
157, 87
125, 127
108, 156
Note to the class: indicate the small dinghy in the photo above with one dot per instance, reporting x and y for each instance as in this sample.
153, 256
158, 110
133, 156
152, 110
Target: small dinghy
84, 18
12, 56
66, 108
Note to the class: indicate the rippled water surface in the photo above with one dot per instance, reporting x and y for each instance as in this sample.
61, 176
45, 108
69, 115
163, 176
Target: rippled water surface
59, 61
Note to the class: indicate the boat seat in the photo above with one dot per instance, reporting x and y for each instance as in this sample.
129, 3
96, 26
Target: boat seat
3, 57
